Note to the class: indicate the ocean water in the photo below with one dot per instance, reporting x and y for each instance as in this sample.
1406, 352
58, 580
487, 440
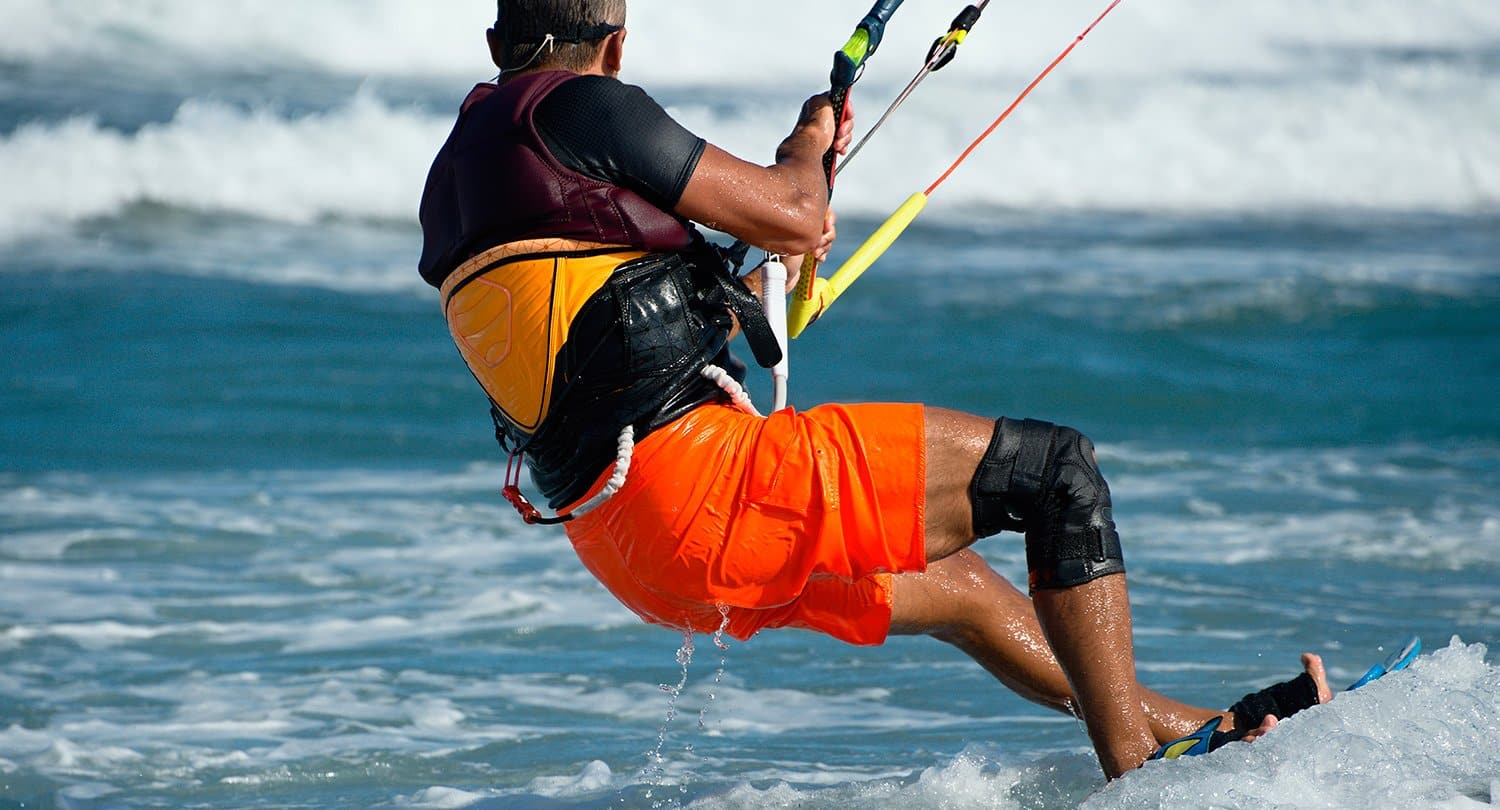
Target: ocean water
252, 549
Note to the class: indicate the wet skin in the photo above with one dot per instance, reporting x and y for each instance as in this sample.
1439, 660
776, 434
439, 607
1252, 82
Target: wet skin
1068, 649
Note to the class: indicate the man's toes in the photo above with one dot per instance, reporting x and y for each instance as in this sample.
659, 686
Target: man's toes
1313, 665
1270, 722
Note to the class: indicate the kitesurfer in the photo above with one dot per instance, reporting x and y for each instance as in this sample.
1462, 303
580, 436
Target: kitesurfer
557, 223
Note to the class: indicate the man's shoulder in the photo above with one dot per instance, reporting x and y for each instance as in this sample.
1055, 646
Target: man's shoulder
599, 92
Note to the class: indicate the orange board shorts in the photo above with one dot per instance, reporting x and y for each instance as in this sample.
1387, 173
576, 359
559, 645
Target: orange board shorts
733, 521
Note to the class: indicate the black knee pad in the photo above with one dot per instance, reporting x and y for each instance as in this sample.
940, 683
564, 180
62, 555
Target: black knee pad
1041, 479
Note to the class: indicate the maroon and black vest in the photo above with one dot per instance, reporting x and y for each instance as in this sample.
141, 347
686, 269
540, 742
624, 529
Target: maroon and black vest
495, 181
636, 347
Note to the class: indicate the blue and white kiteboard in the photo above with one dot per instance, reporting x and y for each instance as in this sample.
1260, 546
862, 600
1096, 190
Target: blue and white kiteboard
1395, 662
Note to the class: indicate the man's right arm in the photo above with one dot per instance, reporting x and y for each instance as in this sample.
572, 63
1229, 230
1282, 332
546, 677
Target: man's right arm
780, 207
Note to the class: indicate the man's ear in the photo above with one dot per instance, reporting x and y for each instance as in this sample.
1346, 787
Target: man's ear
497, 48
613, 53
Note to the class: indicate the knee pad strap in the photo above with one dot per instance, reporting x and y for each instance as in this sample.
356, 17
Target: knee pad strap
1041, 478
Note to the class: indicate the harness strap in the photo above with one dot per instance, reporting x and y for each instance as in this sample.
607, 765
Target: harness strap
685, 297
752, 317
626, 451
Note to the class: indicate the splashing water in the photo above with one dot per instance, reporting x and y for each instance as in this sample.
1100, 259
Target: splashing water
718, 673
655, 772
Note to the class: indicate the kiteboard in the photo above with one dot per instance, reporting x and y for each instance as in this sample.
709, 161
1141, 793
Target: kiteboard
1398, 660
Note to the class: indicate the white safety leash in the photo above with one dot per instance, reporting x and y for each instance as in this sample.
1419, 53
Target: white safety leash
773, 298
773, 301
625, 443
624, 450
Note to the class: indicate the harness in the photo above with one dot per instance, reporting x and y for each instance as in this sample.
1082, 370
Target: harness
582, 346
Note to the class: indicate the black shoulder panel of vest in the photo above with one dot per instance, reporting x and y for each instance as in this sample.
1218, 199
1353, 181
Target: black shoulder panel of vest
616, 133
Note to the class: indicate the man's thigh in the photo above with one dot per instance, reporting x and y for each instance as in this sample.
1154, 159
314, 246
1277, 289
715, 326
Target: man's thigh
956, 442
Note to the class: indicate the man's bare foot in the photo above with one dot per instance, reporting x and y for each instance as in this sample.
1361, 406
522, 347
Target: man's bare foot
1312, 664
1265, 725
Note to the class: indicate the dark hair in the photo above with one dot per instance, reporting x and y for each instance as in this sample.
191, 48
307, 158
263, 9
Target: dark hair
578, 28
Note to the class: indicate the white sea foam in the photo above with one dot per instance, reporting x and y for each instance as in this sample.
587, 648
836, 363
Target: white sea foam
364, 531
353, 36
1420, 738
725, 42
361, 160
258, 729
732, 709
1405, 505
330, 532
595, 776
1406, 740
442, 798
1424, 141
1171, 106
306, 620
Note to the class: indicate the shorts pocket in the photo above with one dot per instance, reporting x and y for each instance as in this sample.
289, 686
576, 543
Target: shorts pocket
785, 471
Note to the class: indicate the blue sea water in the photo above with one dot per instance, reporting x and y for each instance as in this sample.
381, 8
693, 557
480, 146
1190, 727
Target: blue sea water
252, 551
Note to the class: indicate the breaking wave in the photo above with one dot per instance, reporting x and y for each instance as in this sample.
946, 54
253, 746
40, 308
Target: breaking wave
1271, 107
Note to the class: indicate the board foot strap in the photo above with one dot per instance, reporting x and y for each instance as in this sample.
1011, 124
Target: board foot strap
1281, 700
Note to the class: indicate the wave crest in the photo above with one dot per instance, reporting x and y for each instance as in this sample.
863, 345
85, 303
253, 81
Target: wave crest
363, 160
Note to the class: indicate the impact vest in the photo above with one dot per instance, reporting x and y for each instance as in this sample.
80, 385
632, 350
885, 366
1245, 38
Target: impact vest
579, 306
495, 181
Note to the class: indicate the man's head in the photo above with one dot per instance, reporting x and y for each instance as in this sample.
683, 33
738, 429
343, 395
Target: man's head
581, 32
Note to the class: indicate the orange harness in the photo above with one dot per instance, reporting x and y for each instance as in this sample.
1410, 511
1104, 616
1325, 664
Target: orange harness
510, 309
